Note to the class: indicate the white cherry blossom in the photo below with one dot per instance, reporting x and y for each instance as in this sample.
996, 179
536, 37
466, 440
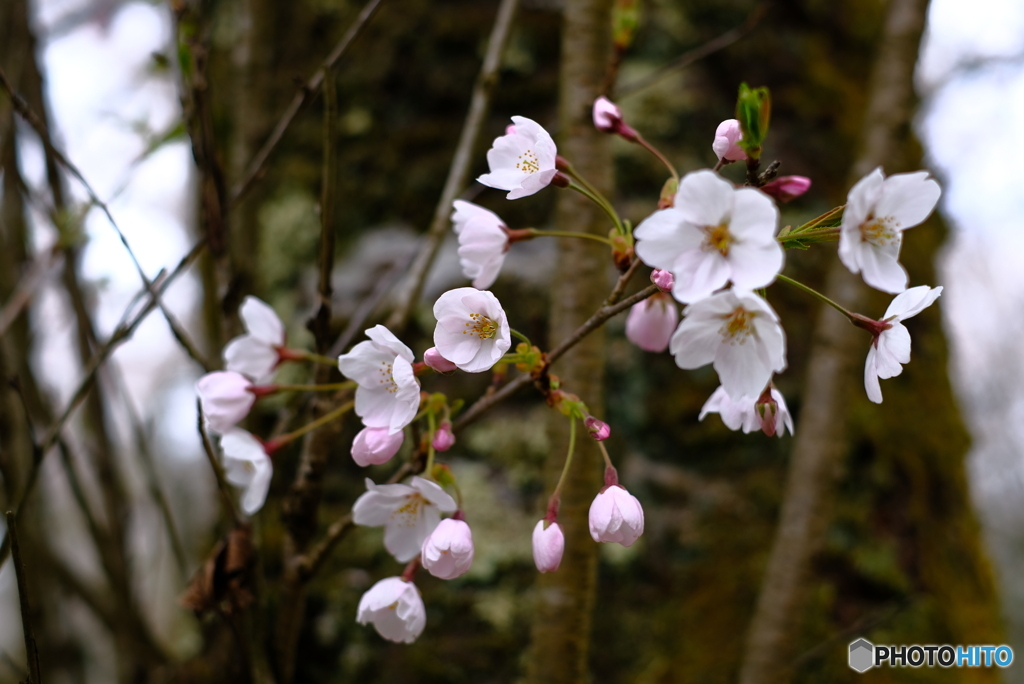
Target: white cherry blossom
890, 348
522, 161
225, 399
714, 233
395, 609
247, 465
878, 210
483, 242
255, 354
448, 551
742, 413
409, 513
388, 394
739, 334
472, 331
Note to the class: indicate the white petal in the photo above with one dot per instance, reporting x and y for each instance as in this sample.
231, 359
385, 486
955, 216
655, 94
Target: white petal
663, 236
251, 357
755, 265
908, 198
704, 198
384, 339
432, 492
871, 384
893, 350
262, 322
695, 342
698, 274
742, 369
364, 363
860, 202
880, 267
408, 528
256, 493
754, 217
912, 302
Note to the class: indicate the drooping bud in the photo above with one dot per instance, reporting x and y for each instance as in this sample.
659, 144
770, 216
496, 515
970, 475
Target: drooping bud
598, 429
226, 398
786, 188
767, 411
444, 438
650, 323
373, 446
433, 358
663, 279
548, 545
608, 118
448, 551
616, 516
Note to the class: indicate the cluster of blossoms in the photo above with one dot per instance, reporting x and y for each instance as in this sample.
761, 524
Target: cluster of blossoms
712, 247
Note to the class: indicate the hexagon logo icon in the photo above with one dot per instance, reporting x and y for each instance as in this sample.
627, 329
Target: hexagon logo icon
862, 655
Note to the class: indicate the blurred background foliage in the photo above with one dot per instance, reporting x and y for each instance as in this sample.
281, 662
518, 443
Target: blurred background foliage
902, 562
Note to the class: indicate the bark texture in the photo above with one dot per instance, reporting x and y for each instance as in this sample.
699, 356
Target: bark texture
564, 599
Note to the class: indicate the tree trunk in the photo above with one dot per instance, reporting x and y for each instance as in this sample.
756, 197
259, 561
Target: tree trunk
564, 599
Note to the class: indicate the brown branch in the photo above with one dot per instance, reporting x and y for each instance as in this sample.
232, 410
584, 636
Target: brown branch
27, 286
458, 173
218, 472
301, 99
31, 652
698, 53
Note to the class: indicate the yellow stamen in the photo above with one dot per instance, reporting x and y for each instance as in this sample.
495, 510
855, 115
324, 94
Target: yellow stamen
738, 326
528, 162
717, 239
481, 326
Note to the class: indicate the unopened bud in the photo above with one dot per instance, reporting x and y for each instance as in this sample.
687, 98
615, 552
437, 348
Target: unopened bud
767, 412
560, 180
787, 188
444, 438
433, 358
663, 279
667, 200
598, 429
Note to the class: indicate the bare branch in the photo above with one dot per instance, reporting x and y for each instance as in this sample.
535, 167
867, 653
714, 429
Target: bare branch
218, 471
31, 652
301, 99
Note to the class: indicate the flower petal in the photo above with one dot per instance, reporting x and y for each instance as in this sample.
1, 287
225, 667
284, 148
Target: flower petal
908, 198
262, 322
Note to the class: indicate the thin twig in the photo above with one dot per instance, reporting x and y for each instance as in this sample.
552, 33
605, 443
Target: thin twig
31, 652
37, 123
698, 53
122, 333
26, 288
458, 173
218, 472
301, 99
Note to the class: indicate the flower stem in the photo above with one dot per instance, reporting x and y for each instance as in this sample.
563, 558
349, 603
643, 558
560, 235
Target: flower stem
432, 425
331, 387
278, 442
657, 153
570, 234
568, 459
607, 458
821, 232
594, 196
521, 336
297, 354
814, 293
828, 215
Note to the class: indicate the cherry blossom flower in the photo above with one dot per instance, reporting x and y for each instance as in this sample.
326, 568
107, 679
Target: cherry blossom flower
878, 210
394, 607
663, 279
714, 233
548, 545
247, 465
434, 360
890, 348
742, 413
448, 551
522, 161
739, 334
787, 188
444, 438
650, 323
376, 445
388, 394
727, 138
616, 516
256, 353
225, 399
409, 513
472, 330
483, 242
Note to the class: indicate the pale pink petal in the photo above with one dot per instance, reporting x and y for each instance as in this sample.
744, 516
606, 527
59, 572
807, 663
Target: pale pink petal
548, 546
251, 357
912, 302
908, 198
893, 350
881, 268
432, 492
860, 202
871, 384
663, 236
755, 265
698, 274
754, 217
262, 322
742, 371
385, 340
704, 198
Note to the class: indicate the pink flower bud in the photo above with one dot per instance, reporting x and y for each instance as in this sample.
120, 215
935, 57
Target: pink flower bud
608, 118
444, 438
448, 551
616, 516
727, 137
663, 279
548, 545
787, 188
599, 429
226, 398
650, 323
433, 358
375, 446
772, 413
